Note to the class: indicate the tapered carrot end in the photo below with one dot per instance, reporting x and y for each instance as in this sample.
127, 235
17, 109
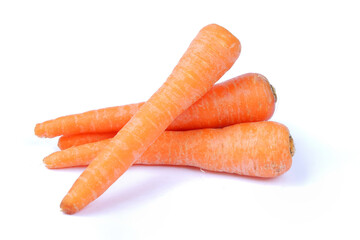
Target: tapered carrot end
66, 207
47, 166
52, 161
39, 130
48, 162
79, 195
66, 210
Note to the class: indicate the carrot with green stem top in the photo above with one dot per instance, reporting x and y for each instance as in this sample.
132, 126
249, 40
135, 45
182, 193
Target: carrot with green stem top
213, 51
245, 98
261, 149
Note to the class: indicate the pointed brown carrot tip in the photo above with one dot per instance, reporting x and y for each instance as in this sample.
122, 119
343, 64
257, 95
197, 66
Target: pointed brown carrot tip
292, 146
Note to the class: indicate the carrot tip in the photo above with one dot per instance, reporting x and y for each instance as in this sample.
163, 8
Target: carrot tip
65, 212
66, 209
45, 162
39, 131
292, 146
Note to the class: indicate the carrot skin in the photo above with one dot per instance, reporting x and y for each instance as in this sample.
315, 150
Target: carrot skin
245, 98
101, 120
261, 149
65, 142
213, 51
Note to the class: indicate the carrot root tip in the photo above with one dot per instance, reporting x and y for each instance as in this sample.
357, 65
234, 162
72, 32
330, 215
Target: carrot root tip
65, 212
66, 209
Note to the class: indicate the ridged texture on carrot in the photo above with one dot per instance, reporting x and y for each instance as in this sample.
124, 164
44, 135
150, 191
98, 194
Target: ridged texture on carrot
209, 56
101, 120
261, 149
245, 98
79, 139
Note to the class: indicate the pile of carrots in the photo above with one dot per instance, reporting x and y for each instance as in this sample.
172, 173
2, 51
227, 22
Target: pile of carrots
188, 121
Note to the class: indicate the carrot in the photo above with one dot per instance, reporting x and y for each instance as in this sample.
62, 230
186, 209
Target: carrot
261, 149
65, 142
245, 98
213, 51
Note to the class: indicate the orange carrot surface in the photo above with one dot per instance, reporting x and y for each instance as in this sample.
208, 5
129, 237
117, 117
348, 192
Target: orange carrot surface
261, 149
79, 139
213, 51
246, 98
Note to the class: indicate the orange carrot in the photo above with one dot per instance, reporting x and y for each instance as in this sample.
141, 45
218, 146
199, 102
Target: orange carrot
246, 98
261, 149
213, 51
79, 139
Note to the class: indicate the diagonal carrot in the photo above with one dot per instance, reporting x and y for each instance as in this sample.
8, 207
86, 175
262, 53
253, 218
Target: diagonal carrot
245, 98
213, 51
261, 149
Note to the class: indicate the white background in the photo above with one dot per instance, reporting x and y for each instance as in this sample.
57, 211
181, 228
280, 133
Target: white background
63, 57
